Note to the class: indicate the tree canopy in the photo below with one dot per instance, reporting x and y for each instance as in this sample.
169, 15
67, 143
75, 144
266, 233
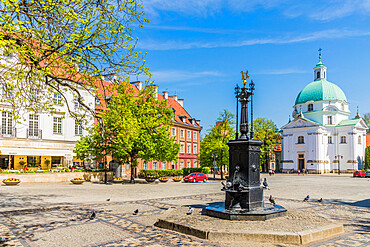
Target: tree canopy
367, 158
135, 125
215, 142
266, 131
52, 46
366, 118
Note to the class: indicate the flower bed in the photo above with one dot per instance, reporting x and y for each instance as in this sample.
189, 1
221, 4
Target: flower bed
11, 181
117, 180
176, 179
163, 180
77, 180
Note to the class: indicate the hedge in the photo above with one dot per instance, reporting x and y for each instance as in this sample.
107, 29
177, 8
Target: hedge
187, 171
159, 173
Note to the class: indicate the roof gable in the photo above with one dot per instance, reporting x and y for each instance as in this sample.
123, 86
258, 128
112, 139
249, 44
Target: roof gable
300, 123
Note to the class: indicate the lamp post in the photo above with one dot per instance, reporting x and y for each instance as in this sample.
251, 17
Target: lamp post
102, 143
339, 157
237, 92
251, 89
214, 156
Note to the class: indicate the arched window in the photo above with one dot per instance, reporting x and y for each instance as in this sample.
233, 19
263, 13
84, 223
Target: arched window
343, 139
318, 75
342, 107
310, 107
359, 139
300, 139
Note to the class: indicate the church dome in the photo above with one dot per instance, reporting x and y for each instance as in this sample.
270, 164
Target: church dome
318, 90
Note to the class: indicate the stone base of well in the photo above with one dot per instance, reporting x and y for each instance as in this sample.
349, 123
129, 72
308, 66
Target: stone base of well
297, 227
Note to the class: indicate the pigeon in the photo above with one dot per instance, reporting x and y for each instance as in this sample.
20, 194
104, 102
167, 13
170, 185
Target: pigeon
306, 198
265, 184
136, 212
3, 239
320, 200
229, 184
224, 186
93, 215
108, 199
272, 201
191, 210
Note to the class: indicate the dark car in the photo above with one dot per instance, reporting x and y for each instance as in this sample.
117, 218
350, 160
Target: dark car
360, 174
367, 174
196, 177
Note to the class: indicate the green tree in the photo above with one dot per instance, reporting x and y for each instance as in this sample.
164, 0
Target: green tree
58, 47
367, 158
266, 131
215, 142
366, 118
134, 126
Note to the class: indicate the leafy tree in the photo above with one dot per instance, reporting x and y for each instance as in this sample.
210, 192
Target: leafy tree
366, 118
266, 131
215, 142
58, 47
135, 125
367, 158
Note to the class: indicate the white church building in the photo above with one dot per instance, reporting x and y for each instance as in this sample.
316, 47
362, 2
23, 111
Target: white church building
322, 138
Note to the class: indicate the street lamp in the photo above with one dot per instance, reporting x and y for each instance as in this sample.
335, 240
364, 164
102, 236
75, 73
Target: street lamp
339, 157
102, 143
237, 92
251, 89
214, 156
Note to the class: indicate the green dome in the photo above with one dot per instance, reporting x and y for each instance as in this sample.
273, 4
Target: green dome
320, 90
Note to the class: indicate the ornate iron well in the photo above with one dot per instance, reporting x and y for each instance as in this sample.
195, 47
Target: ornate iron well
244, 193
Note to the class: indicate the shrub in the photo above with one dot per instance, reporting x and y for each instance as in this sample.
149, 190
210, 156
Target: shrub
144, 173
206, 170
22, 163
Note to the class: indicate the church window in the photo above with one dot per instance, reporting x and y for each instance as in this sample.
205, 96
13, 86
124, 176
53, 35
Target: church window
359, 139
330, 140
343, 139
330, 119
310, 107
342, 107
318, 75
300, 139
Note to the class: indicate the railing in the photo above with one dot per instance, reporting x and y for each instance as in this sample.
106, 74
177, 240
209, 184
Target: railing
8, 132
34, 133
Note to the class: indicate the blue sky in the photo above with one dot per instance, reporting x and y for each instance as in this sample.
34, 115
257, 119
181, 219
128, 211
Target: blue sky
197, 48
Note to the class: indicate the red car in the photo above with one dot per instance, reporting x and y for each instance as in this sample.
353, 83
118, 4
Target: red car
196, 177
360, 174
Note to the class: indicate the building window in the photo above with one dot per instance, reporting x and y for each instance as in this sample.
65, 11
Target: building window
181, 164
188, 148
57, 98
359, 140
342, 107
127, 167
163, 165
34, 95
77, 104
343, 139
173, 132
188, 164
182, 148
155, 165
300, 139
6, 121
33, 128
78, 129
310, 107
318, 75
330, 119
195, 149
189, 134
145, 165
97, 101
194, 135
330, 140
182, 133
195, 164
57, 125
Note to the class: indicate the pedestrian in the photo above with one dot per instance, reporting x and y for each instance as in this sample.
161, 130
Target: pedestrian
270, 172
299, 171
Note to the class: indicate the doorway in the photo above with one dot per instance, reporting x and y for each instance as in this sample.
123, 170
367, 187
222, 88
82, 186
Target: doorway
301, 163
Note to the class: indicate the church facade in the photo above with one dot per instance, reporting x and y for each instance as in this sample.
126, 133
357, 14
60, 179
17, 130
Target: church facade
322, 138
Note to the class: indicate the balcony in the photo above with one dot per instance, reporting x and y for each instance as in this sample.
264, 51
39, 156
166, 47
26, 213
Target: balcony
34, 133
8, 132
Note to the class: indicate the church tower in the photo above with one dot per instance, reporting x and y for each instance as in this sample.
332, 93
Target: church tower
319, 70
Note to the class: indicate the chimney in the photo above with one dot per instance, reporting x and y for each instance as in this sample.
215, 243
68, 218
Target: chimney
181, 102
174, 97
165, 94
138, 84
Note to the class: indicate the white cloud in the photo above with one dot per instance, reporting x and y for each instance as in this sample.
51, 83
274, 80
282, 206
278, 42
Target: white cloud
290, 38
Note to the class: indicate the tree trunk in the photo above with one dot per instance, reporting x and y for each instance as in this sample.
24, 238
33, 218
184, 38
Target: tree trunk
132, 176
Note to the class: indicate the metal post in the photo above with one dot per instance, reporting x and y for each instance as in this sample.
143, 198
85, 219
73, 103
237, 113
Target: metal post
105, 166
237, 91
251, 89
214, 166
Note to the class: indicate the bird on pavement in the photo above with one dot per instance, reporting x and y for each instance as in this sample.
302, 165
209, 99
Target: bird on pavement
265, 184
320, 200
136, 212
3, 240
272, 201
306, 198
191, 210
93, 215
108, 199
224, 186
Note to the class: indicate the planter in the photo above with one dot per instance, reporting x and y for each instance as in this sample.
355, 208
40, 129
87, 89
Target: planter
150, 180
176, 179
118, 181
163, 180
11, 182
77, 181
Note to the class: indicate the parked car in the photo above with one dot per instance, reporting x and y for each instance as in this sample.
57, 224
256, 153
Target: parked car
367, 174
196, 177
360, 174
